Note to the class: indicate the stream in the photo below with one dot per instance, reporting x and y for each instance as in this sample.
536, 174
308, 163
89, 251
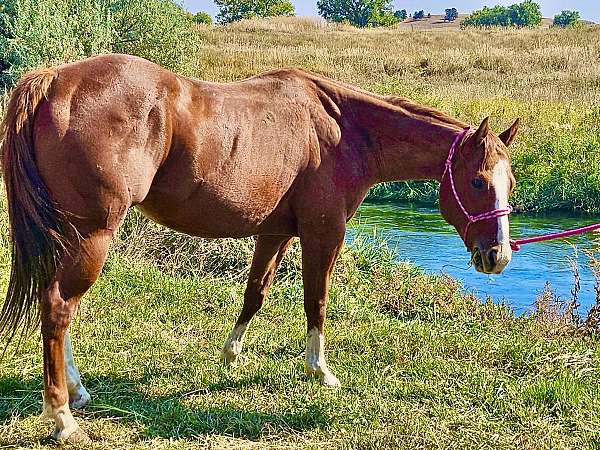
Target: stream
419, 235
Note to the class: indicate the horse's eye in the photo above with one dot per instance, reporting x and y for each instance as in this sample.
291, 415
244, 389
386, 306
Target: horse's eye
477, 183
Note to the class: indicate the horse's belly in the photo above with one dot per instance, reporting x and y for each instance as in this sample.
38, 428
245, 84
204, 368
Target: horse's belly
212, 213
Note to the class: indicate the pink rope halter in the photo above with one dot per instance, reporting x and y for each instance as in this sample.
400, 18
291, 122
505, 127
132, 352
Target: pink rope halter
470, 218
514, 244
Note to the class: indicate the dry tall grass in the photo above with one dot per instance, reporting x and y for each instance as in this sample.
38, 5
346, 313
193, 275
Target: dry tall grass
525, 64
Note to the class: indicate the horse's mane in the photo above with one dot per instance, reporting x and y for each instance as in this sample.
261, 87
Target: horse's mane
410, 107
423, 110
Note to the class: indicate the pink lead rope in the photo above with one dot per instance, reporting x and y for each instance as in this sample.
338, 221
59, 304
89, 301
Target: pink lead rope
470, 218
514, 244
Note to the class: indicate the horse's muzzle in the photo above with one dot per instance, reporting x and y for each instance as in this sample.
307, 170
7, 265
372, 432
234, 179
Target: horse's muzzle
493, 259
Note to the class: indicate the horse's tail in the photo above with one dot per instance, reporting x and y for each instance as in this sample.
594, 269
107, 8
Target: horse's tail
37, 226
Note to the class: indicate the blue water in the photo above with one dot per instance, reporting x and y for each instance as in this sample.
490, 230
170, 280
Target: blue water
419, 235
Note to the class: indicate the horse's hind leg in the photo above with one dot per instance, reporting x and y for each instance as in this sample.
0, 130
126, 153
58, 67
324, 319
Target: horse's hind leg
268, 253
76, 274
78, 395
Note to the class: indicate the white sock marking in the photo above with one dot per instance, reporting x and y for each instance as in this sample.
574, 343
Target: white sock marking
78, 395
234, 343
64, 422
315, 358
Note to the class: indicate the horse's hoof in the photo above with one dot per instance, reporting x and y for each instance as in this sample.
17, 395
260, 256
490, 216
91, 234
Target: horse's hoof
326, 377
81, 400
75, 436
229, 357
330, 380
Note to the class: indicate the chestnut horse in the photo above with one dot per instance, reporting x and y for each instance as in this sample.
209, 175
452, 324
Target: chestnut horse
284, 154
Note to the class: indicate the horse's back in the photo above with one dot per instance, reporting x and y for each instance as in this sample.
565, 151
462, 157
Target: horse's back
204, 158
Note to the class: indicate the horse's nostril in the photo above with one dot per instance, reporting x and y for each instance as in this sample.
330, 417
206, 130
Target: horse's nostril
493, 256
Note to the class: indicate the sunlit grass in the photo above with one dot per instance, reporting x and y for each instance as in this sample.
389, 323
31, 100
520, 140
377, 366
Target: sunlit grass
422, 366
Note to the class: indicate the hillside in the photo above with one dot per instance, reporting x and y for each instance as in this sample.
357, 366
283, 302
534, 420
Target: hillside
436, 21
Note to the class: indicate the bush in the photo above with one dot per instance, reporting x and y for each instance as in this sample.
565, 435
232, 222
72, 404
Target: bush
525, 14
49, 32
418, 15
401, 14
202, 18
496, 16
158, 30
385, 20
567, 19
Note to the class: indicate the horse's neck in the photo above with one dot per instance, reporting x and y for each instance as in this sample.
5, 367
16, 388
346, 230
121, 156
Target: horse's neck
405, 142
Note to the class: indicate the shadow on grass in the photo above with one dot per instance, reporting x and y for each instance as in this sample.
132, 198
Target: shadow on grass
168, 416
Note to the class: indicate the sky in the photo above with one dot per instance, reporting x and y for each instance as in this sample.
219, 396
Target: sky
589, 9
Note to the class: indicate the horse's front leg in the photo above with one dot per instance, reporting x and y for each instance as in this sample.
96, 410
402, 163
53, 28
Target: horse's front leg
321, 245
268, 253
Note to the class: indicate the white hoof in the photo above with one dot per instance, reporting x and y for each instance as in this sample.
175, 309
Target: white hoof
233, 345
72, 435
230, 356
326, 378
330, 380
315, 359
66, 429
81, 399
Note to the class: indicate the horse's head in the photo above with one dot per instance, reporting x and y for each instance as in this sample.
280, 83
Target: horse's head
477, 205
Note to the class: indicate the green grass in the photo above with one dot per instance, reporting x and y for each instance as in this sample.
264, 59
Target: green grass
422, 365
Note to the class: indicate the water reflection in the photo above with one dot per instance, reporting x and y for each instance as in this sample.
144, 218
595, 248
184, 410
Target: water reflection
421, 236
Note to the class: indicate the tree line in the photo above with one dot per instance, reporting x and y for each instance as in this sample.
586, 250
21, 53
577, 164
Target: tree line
373, 13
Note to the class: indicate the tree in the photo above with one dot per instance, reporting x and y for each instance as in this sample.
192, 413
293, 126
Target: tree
401, 14
202, 18
567, 19
496, 16
525, 14
418, 15
360, 13
234, 10
451, 15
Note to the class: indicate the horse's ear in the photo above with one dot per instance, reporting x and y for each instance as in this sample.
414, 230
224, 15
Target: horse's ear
482, 131
509, 135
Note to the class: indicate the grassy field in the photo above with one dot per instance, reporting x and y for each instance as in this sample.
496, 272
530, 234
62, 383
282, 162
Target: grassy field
547, 77
422, 364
